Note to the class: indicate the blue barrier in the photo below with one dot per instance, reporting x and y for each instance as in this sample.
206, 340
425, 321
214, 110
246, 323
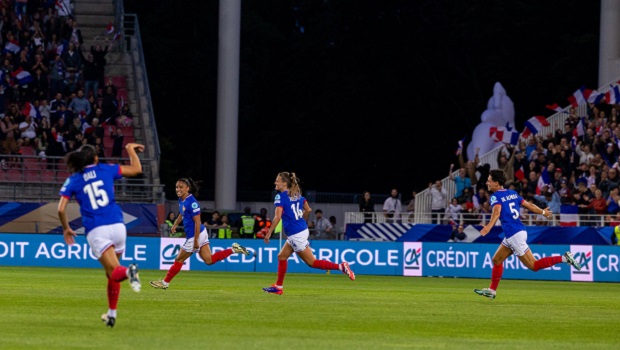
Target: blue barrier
601, 263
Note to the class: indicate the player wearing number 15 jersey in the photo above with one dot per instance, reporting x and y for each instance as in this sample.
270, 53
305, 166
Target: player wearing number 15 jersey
293, 209
506, 206
92, 185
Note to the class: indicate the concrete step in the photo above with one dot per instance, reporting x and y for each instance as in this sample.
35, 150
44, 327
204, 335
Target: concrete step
90, 21
90, 8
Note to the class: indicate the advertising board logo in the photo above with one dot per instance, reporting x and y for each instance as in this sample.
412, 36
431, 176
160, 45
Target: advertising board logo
168, 250
583, 255
412, 259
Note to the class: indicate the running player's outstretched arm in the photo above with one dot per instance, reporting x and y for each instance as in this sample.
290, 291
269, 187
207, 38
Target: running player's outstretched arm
536, 209
274, 223
497, 209
134, 168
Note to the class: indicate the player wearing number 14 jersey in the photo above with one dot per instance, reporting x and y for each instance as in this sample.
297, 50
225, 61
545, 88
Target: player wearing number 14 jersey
92, 185
293, 209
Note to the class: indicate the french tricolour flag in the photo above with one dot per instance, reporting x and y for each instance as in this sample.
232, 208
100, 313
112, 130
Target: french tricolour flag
109, 28
502, 134
578, 98
534, 125
543, 180
594, 96
580, 128
31, 110
23, 77
612, 96
555, 107
520, 173
460, 148
12, 46
569, 215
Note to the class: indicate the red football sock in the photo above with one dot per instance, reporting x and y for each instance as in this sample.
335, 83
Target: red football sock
325, 265
546, 262
221, 255
119, 274
282, 266
496, 275
174, 269
114, 289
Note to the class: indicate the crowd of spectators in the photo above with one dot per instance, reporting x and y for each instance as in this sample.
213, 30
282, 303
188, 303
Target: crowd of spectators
53, 93
577, 166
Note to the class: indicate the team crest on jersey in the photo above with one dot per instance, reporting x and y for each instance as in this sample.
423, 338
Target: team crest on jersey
183, 208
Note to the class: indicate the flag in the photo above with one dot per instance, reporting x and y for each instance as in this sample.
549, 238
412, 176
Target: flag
62, 8
543, 180
594, 96
573, 141
612, 96
109, 28
460, 147
580, 128
520, 173
555, 107
534, 125
569, 215
23, 77
11, 46
31, 110
116, 36
578, 98
505, 135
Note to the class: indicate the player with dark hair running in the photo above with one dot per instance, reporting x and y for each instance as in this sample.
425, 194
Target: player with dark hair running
189, 210
506, 206
293, 209
92, 184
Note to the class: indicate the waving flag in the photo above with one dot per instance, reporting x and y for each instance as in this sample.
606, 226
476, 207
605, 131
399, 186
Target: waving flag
11, 46
23, 77
594, 96
612, 96
543, 180
520, 173
505, 135
578, 98
460, 148
555, 107
109, 28
534, 125
31, 110
569, 215
580, 128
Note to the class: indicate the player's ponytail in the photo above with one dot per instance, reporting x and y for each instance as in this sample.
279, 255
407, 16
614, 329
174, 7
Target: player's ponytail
193, 185
292, 183
80, 158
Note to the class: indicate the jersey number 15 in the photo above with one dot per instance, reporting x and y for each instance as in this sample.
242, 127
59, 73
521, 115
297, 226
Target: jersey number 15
97, 196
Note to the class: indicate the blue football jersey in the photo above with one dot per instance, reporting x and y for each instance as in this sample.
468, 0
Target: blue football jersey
94, 191
510, 214
293, 220
189, 208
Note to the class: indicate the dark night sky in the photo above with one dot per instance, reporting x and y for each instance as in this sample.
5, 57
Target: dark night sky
364, 85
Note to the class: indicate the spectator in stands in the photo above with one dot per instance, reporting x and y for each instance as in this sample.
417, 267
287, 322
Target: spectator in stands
71, 84
453, 211
458, 234
470, 165
54, 106
10, 130
438, 201
40, 85
262, 223
367, 206
483, 170
613, 201
461, 180
505, 162
336, 232
109, 105
126, 117
44, 109
549, 199
392, 207
80, 103
89, 74
584, 153
28, 131
72, 60
481, 196
322, 227
117, 143
411, 207
57, 76
99, 52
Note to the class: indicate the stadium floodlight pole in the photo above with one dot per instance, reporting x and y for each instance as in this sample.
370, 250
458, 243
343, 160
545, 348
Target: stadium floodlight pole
227, 105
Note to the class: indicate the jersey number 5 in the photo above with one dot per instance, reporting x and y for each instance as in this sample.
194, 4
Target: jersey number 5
98, 197
515, 212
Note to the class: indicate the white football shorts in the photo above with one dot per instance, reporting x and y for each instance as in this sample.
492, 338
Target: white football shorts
517, 243
203, 239
299, 241
102, 237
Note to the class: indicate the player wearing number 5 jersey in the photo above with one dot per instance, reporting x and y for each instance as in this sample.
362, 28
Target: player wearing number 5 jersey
506, 206
293, 209
92, 184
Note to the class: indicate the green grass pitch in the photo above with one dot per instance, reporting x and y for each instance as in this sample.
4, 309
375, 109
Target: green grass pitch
57, 308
